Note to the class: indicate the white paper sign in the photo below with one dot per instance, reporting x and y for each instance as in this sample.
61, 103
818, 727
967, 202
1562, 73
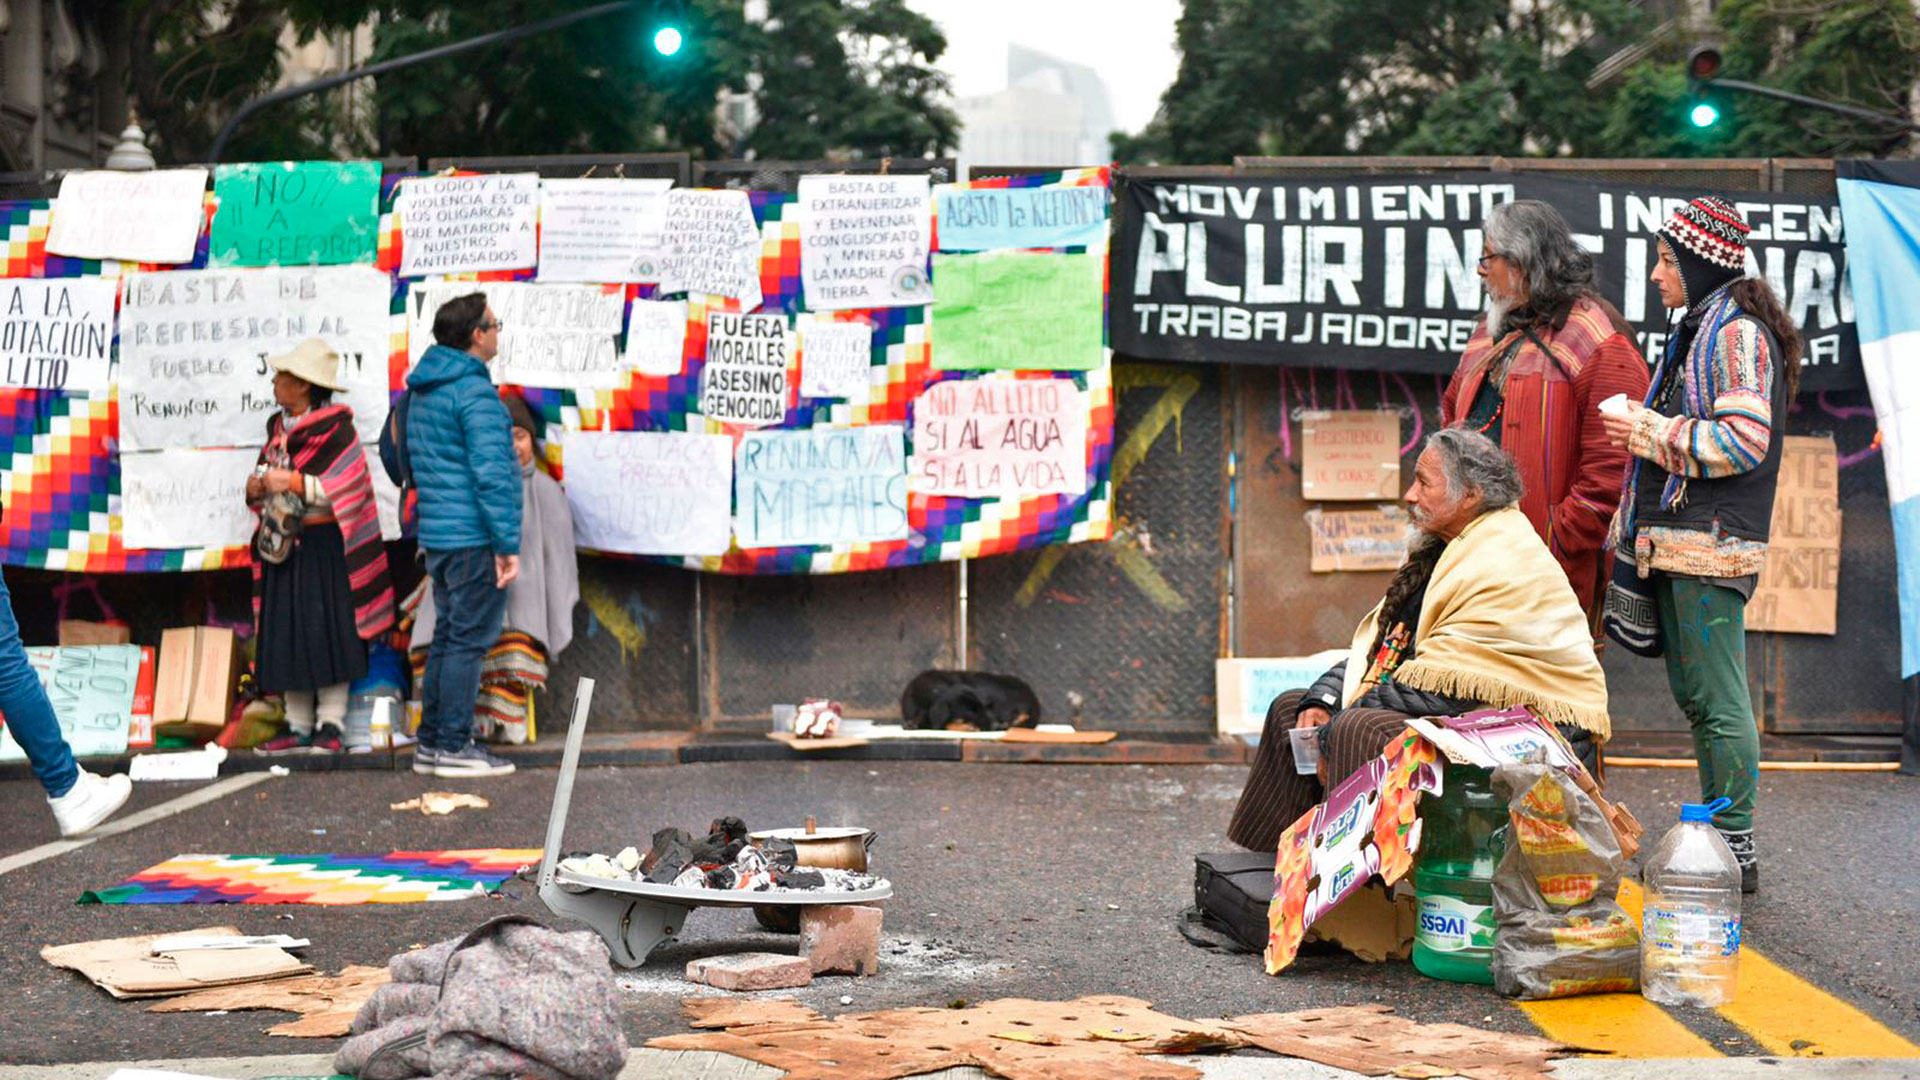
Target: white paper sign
461, 224
194, 346
657, 337
745, 381
601, 230
186, 498
836, 359
712, 245
56, 333
150, 217
552, 335
1000, 437
864, 241
649, 492
821, 486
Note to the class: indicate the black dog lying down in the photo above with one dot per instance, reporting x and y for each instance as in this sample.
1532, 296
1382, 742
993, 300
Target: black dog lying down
968, 701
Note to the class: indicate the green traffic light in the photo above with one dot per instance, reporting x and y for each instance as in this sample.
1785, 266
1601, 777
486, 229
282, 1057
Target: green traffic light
1704, 115
666, 40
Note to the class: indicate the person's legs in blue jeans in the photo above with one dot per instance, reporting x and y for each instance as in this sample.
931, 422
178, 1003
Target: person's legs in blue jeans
23, 701
468, 610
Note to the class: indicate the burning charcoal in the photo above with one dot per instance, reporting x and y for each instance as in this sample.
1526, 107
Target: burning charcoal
721, 877
670, 862
801, 879
731, 828
663, 842
781, 854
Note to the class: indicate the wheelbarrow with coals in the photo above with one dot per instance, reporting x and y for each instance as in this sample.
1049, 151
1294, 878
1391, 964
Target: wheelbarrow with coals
634, 917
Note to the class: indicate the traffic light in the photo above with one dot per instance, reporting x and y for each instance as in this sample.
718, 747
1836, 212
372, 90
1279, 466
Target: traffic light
1703, 66
1704, 115
667, 40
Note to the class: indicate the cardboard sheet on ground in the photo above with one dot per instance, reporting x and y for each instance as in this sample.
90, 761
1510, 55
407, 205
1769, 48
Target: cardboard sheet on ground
907, 1042
1799, 588
1369, 538
326, 1003
711, 245
295, 213
1000, 437
864, 241
1019, 310
1369, 1039
1055, 216
1366, 826
441, 802
91, 688
186, 498
1352, 454
149, 217
464, 224
650, 492
194, 346
126, 968
826, 486
57, 333
602, 230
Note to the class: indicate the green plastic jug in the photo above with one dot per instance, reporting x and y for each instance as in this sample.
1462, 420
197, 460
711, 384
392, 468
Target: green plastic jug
1463, 832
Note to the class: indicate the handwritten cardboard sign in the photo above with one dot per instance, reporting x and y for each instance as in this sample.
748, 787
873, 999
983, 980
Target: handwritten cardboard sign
1000, 438
149, 217
194, 346
557, 335
657, 336
981, 219
464, 224
1353, 454
864, 241
711, 245
186, 498
745, 381
91, 688
1019, 310
602, 230
649, 492
836, 358
824, 486
1374, 538
56, 333
1799, 588
296, 213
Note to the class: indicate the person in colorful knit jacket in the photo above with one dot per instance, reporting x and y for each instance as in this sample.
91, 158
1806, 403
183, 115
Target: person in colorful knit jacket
1548, 352
1697, 501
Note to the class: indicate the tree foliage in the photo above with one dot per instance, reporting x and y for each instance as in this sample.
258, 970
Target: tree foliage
852, 77
1306, 77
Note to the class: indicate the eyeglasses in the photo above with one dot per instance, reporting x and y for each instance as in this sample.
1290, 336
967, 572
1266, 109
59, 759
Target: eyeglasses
494, 325
1484, 259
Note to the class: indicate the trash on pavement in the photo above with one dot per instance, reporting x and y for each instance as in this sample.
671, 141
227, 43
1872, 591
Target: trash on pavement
1561, 930
1369, 1039
201, 764
126, 967
441, 802
818, 718
720, 1012
186, 942
326, 1003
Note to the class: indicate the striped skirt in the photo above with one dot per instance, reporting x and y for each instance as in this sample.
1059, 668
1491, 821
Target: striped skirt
1276, 796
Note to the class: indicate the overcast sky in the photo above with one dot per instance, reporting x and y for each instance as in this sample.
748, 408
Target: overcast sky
1130, 44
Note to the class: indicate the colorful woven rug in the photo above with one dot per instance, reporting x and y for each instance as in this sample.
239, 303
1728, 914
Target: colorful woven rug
398, 877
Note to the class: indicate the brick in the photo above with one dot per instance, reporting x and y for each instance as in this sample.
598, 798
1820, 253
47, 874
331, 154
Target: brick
841, 939
751, 971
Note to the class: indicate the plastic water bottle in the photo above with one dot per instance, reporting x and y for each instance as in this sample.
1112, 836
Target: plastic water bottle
1462, 836
1690, 927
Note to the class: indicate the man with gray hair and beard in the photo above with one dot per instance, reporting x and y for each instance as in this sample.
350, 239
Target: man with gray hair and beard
1535, 371
1480, 615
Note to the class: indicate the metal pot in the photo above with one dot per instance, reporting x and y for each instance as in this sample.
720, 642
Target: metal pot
833, 849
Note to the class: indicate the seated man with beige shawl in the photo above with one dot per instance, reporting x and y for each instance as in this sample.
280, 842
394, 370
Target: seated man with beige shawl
1479, 616
540, 602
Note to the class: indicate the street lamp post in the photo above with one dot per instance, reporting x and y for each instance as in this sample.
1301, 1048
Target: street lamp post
497, 37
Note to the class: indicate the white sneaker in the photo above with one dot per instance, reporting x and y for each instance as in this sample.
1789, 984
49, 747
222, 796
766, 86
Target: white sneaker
92, 800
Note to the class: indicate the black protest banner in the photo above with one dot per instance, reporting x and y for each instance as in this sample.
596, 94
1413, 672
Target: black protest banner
1382, 274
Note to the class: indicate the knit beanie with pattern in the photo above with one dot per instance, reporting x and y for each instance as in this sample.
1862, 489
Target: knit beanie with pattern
1708, 238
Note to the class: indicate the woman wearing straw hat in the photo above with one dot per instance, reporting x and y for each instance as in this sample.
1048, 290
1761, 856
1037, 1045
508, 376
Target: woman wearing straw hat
320, 586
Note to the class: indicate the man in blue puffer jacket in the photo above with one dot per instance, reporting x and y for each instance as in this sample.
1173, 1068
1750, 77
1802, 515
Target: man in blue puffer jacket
461, 449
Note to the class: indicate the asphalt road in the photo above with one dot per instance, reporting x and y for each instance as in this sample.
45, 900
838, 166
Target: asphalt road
1010, 880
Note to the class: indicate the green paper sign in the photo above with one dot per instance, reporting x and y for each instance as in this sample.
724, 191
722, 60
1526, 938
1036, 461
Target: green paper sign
1018, 311
296, 213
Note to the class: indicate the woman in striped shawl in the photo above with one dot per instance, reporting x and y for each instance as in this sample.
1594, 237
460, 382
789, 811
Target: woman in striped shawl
320, 586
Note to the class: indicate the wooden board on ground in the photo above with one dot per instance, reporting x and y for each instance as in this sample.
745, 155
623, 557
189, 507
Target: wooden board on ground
832, 742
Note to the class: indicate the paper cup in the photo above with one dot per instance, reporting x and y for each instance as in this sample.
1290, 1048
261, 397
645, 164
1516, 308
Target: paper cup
1615, 405
1306, 750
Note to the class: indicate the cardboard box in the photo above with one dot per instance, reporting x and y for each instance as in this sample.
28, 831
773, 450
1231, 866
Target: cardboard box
81, 632
140, 735
193, 691
1245, 686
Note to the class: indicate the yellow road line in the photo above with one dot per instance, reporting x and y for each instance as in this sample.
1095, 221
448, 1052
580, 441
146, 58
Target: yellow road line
1623, 1025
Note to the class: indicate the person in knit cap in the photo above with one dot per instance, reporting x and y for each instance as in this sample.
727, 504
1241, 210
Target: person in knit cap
1697, 501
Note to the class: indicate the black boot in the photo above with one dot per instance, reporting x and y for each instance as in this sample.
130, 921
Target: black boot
1743, 853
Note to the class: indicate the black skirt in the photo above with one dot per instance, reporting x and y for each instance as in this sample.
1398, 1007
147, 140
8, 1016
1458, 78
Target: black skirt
307, 636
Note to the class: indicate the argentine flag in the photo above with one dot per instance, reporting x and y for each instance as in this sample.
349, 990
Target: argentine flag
1880, 202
